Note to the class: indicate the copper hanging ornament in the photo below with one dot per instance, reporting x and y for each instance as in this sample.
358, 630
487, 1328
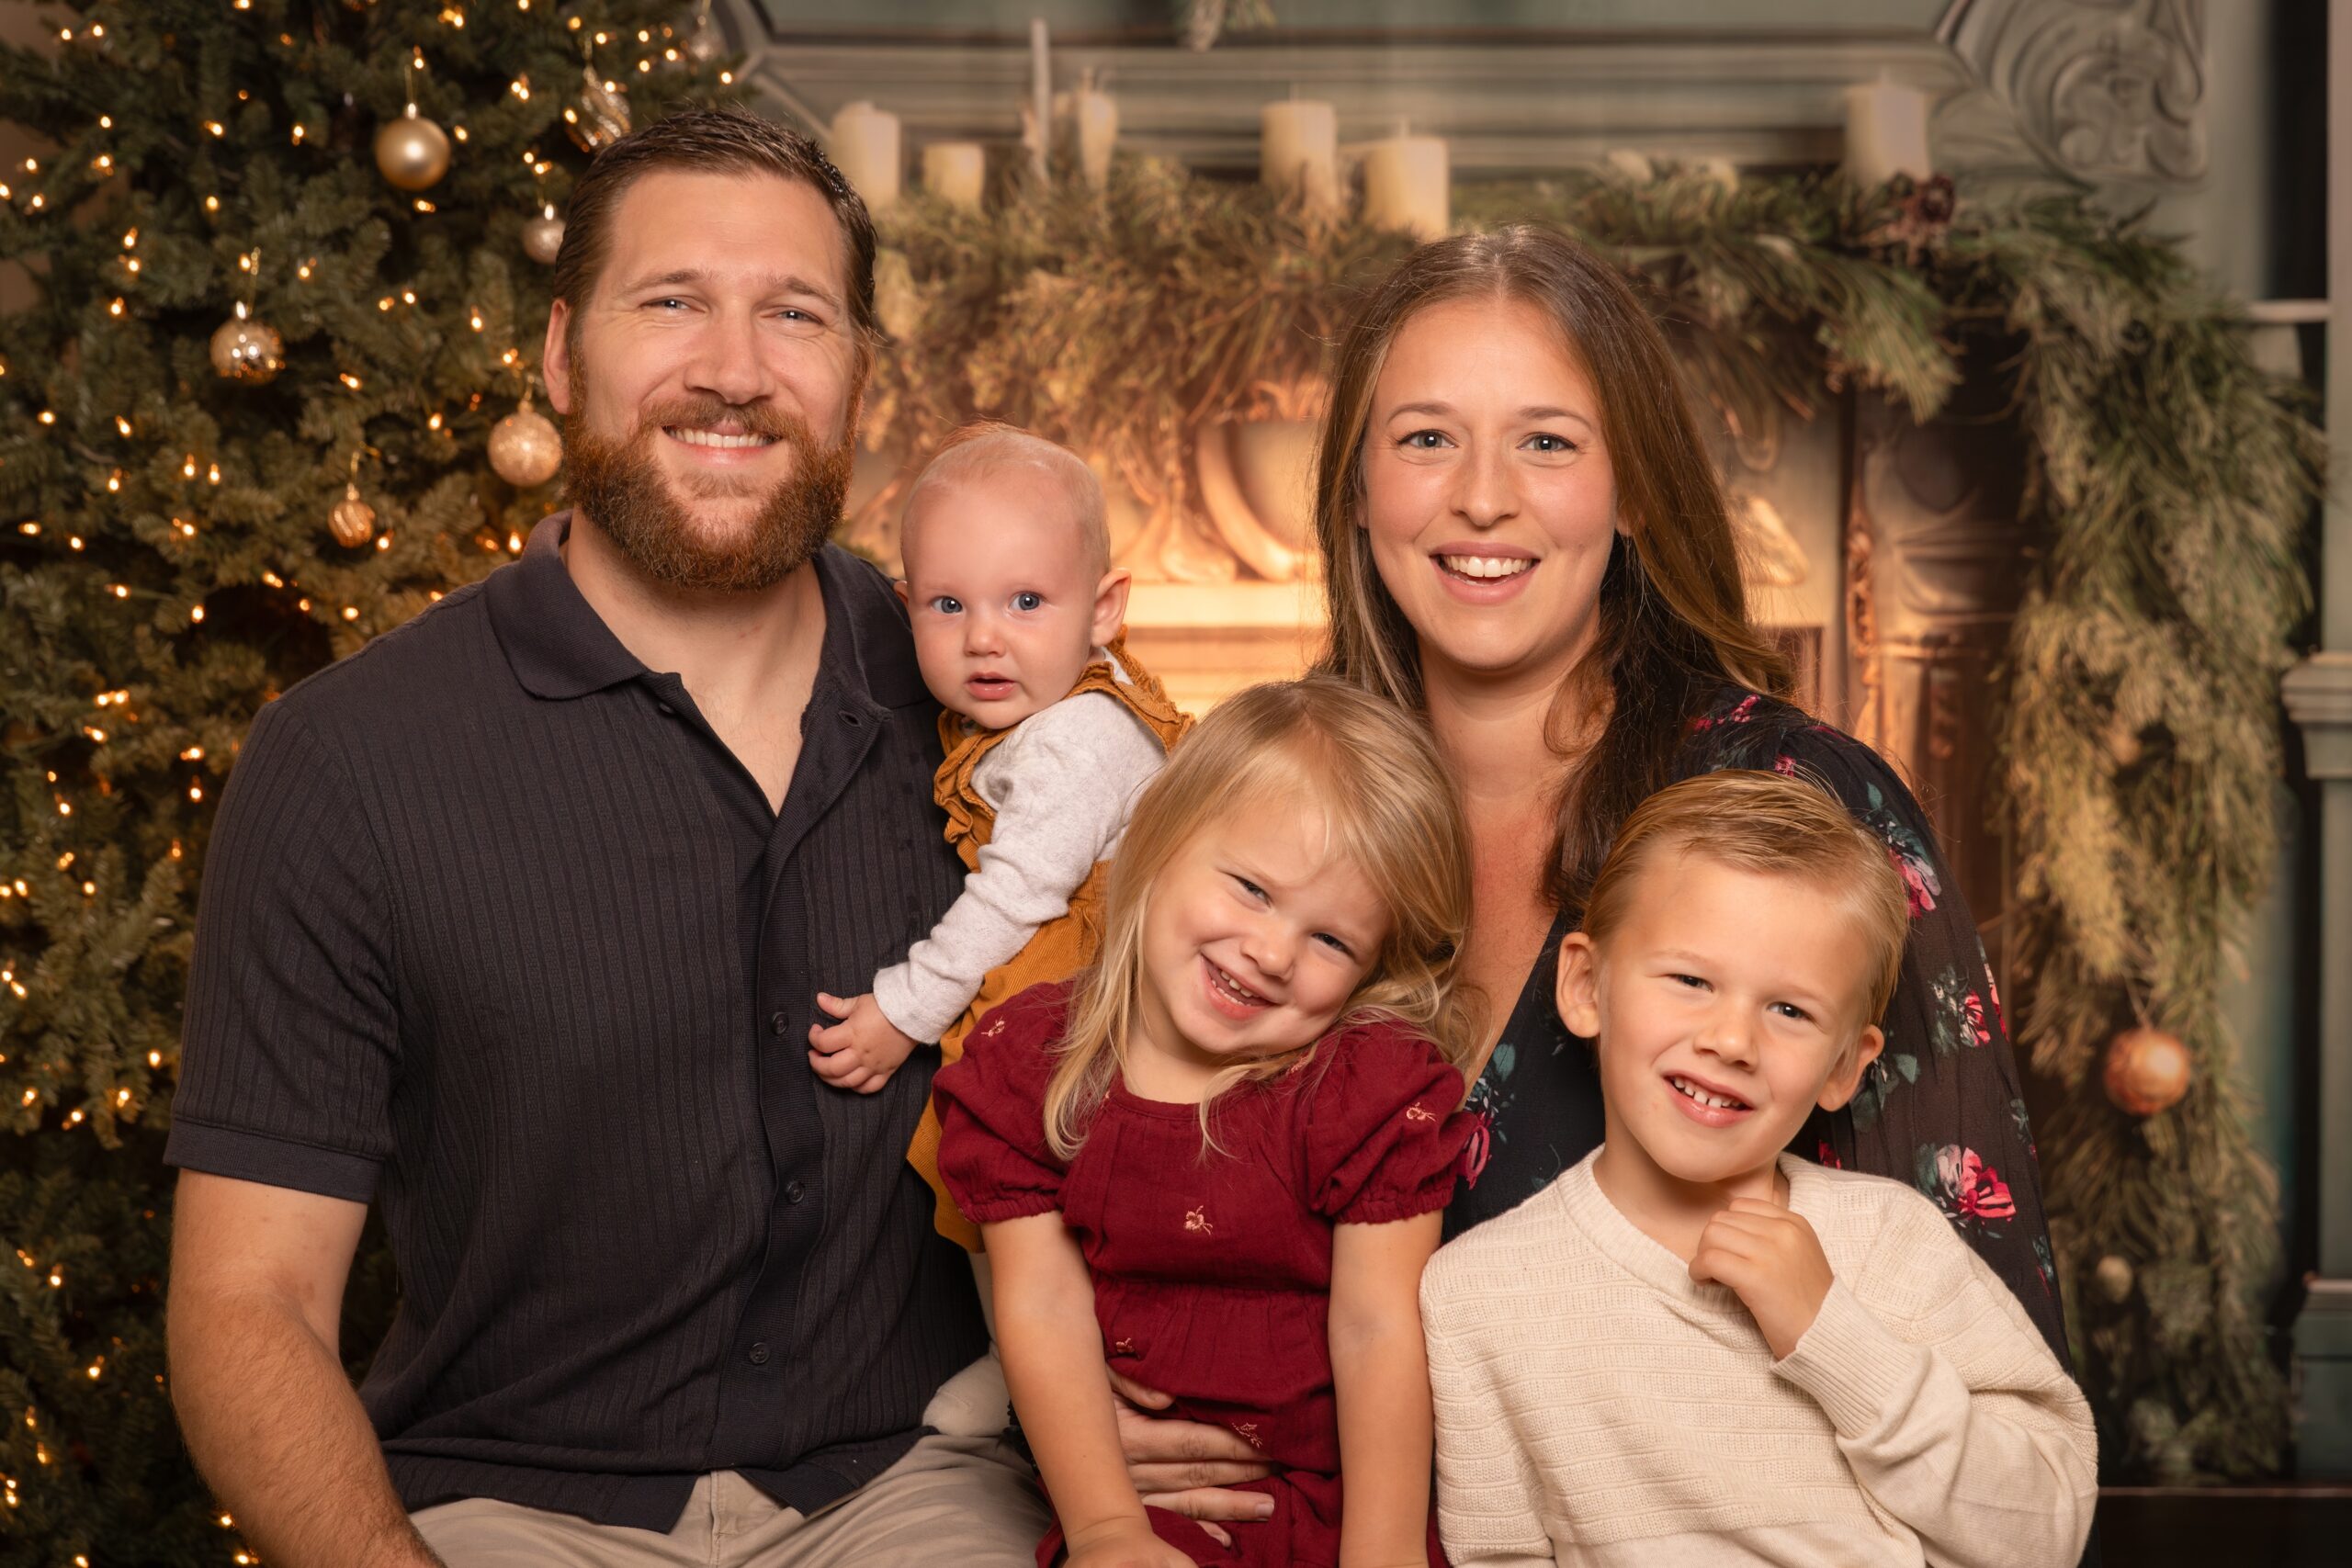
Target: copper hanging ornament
525, 449
2147, 1070
352, 520
245, 350
543, 236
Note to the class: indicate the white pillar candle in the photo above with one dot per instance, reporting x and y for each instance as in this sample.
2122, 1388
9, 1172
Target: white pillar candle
1097, 114
1405, 186
955, 172
1299, 152
1887, 133
1041, 93
864, 147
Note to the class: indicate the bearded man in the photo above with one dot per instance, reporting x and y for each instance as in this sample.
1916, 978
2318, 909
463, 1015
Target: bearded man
512, 924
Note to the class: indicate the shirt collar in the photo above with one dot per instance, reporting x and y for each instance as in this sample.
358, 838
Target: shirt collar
559, 648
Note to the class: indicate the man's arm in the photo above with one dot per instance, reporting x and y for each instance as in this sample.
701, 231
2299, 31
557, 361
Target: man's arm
256, 1298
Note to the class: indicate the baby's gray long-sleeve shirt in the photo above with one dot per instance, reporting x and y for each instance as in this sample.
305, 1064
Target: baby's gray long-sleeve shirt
1061, 784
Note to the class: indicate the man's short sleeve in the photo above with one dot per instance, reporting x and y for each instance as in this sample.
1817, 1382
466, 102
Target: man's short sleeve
291, 1034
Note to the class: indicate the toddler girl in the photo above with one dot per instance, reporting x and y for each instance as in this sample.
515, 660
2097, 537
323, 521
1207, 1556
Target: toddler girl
1217, 1160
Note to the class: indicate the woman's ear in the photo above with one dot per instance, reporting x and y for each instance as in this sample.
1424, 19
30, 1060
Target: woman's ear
1577, 992
1845, 1080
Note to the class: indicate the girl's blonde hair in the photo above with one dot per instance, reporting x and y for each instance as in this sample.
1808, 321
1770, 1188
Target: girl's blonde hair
1372, 769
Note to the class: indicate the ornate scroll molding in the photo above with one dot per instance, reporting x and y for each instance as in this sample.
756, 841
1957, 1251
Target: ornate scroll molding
2103, 90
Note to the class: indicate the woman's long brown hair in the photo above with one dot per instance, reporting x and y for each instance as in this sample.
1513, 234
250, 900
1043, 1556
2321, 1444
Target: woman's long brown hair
1673, 623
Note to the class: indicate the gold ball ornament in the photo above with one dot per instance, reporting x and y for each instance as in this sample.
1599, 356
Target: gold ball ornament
248, 351
2147, 1070
353, 521
525, 449
412, 151
2114, 1279
543, 237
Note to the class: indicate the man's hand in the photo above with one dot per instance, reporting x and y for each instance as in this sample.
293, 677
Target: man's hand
1185, 1466
862, 1051
1771, 1256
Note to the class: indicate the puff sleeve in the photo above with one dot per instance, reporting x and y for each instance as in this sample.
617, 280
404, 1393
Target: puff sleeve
992, 1150
1383, 1130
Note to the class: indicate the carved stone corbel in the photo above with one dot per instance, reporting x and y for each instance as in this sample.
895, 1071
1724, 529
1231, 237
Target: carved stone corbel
2103, 91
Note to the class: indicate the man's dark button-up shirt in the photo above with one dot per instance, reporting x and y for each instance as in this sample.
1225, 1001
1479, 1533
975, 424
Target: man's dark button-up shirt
496, 932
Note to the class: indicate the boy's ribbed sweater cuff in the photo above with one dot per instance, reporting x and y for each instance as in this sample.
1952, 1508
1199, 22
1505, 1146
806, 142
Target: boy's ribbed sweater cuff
1852, 1365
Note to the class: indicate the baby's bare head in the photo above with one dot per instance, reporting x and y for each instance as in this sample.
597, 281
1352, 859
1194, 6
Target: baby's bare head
989, 452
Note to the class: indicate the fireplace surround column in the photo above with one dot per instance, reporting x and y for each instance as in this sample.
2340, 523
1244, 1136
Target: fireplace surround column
2319, 697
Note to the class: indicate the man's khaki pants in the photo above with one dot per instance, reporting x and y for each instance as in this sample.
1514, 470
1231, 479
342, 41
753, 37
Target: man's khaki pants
951, 1500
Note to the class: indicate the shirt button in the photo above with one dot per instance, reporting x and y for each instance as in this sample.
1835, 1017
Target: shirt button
795, 1191
760, 1355
779, 1023
667, 709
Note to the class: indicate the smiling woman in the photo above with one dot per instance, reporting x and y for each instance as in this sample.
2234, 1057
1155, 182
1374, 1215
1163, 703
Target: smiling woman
1526, 541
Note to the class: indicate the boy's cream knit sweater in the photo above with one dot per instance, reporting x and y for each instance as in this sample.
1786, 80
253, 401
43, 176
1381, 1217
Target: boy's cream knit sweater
1594, 1406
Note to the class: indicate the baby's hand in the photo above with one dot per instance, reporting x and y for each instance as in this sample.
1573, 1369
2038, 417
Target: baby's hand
1123, 1543
1771, 1256
862, 1051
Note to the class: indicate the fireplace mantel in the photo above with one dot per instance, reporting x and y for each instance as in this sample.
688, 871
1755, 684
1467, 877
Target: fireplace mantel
2112, 94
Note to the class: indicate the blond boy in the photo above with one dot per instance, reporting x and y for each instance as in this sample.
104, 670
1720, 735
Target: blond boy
1694, 1348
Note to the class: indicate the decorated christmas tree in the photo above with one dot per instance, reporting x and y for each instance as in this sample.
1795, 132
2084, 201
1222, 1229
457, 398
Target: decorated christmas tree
273, 394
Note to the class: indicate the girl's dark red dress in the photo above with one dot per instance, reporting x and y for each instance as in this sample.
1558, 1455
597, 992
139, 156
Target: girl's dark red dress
1213, 1270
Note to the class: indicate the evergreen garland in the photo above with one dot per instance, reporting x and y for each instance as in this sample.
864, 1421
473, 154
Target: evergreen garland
2169, 480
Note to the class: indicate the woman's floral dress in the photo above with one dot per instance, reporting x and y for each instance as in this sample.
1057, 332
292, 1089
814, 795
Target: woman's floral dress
1941, 1108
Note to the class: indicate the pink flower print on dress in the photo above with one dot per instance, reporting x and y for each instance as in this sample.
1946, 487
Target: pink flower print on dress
1827, 1154
1992, 990
1481, 1144
1198, 1219
1969, 1192
1919, 881
1741, 714
1972, 1006
1785, 765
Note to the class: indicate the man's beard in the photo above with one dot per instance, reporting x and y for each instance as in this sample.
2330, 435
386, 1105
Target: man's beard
621, 489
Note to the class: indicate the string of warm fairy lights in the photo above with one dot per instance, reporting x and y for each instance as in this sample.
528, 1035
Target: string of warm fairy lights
38, 189
35, 191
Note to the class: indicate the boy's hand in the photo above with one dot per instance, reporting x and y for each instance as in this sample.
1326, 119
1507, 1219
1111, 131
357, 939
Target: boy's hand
862, 1051
1121, 1543
1771, 1256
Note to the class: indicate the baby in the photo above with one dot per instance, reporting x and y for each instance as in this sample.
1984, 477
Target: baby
1051, 731
1694, 1348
